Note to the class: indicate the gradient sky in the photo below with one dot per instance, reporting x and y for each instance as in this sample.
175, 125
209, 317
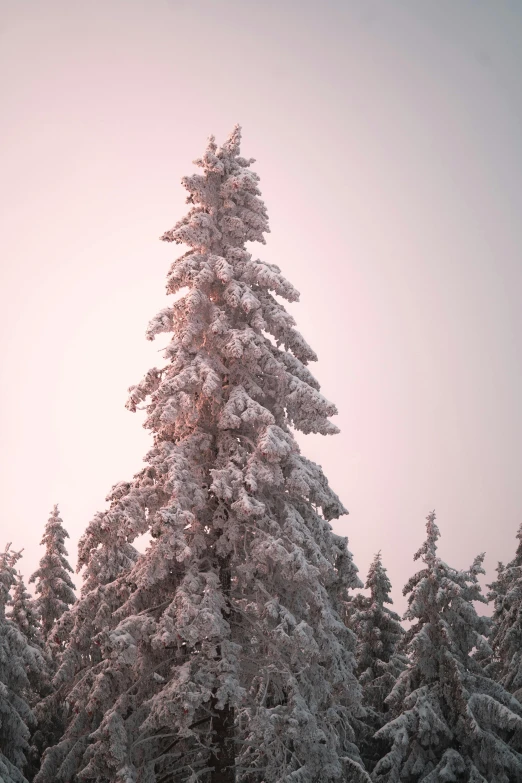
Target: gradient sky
387, 138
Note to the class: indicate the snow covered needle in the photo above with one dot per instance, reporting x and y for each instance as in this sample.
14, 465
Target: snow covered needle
226, 658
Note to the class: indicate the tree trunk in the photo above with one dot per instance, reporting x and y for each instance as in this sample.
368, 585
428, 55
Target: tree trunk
223, 756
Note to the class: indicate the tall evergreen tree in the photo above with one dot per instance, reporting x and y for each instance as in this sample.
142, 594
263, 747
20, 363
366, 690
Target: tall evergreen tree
229, 660
506, 632
54, 588
378, 631
21, 663
450, 722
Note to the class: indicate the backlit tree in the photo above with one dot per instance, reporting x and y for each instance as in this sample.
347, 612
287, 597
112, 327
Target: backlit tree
228, 660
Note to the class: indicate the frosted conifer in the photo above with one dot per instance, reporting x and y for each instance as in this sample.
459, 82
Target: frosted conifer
506, 633
54, 588
496, 594
20, 663
46, 728
81, 689
378, 631
229, 661
22, 611
449, 721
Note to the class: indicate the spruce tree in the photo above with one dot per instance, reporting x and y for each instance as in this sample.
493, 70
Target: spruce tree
229, 660
378, 631
21, 664
497, 595
506, 632
54, 588
23, 612
449, 720
85, 684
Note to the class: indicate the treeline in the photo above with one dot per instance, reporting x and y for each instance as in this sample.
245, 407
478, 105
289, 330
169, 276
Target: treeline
438, 702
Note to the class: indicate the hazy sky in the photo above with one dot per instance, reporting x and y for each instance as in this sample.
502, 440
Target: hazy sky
387, 137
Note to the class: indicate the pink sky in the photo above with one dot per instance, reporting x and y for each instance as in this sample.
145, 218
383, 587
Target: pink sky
387, 138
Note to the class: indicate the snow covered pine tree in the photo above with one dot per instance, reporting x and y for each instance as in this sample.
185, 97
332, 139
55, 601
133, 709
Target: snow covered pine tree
54, 595
23, 612
229, 661
378, 631
506, 633
54, 588
84, 683
47, 727
21, 663
450, 722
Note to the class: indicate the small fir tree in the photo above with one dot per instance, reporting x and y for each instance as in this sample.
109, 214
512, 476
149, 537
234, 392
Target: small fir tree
82, 689
378, 631
449, 721
229, 660
54, 588
23, 612
506, 625
21, 665
497, 592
